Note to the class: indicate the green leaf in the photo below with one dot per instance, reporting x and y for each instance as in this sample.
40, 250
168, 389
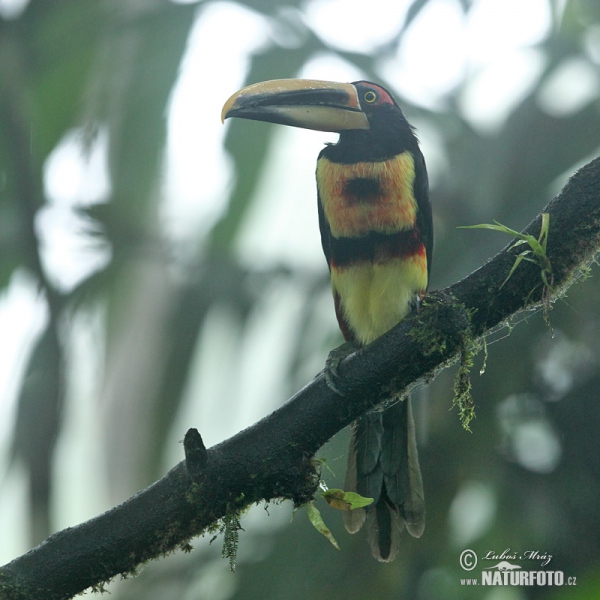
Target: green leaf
537, 246
342, 500
515, 265
496, 227
317, 521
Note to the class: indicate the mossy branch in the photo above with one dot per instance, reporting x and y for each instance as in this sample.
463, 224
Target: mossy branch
272, 459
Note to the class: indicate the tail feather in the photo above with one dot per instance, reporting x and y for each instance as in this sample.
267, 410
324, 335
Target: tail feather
393, 441
353, 519
368, 434
384, 530
414, 502
366, 443
383, 464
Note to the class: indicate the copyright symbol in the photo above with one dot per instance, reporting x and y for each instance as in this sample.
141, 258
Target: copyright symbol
468, 560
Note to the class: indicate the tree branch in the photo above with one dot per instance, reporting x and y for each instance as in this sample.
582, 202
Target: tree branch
273, 458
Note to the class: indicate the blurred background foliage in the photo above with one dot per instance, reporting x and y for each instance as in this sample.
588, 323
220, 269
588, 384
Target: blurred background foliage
159, 271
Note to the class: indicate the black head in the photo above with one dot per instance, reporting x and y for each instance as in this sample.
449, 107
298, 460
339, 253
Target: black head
389, 132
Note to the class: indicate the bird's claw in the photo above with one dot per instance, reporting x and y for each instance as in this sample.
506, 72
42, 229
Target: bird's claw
336, 356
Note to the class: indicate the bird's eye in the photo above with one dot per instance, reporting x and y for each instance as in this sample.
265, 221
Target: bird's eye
370, 97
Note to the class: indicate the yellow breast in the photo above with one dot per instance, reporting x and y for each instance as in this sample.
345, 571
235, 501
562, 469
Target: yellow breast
375, 297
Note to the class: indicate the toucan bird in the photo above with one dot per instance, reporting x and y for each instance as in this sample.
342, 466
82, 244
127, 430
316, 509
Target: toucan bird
377, 236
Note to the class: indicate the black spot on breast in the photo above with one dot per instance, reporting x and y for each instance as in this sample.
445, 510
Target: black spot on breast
363, 189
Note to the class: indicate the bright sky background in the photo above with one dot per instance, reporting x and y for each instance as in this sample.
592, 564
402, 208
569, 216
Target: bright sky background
492, 48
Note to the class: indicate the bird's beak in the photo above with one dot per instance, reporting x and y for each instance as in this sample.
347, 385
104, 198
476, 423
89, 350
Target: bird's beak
307, 103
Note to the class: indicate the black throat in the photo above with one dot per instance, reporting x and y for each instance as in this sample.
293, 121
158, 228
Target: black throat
389, 135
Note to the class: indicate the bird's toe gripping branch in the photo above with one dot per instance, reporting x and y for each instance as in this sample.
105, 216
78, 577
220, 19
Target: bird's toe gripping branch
336, 356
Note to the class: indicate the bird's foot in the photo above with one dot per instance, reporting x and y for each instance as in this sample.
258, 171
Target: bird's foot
336, 356
415, 303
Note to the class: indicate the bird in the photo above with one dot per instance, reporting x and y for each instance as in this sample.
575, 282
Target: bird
376, 229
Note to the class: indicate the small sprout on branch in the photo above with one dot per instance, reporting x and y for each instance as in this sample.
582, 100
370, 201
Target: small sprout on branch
342, 500
319, 463
338, 499
536, 254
